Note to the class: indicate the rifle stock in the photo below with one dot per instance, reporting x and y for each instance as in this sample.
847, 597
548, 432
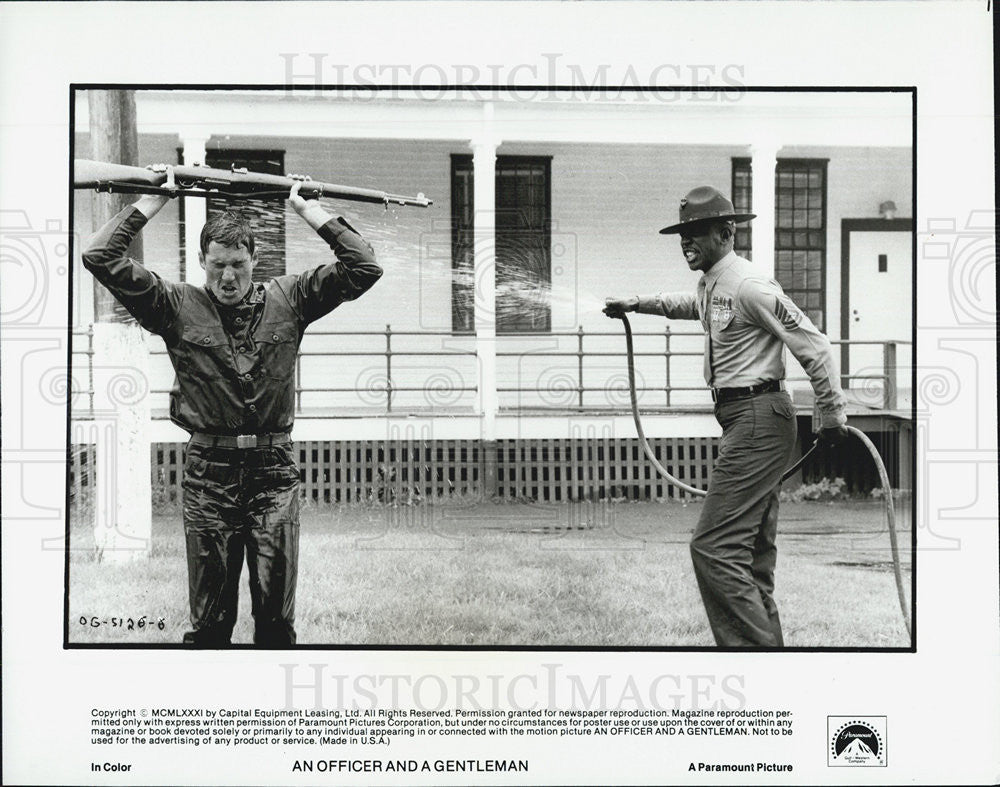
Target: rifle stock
92, 174
195, 181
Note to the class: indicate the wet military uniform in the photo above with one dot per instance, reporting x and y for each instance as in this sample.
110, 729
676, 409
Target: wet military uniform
235, 393
748, 321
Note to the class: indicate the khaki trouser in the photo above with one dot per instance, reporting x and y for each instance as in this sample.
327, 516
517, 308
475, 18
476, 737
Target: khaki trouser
733, 547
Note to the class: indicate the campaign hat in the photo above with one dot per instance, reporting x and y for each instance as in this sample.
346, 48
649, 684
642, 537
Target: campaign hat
705, 204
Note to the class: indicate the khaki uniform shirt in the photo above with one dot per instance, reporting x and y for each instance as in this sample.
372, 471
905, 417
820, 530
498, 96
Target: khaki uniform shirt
748, 321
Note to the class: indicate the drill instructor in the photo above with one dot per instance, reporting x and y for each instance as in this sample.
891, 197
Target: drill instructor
748, 322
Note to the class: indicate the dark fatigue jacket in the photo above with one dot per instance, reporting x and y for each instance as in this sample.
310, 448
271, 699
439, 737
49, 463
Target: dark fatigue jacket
234, 365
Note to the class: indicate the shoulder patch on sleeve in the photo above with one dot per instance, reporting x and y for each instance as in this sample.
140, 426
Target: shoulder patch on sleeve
787, 312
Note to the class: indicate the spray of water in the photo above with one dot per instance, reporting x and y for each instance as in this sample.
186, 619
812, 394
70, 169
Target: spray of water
524, 292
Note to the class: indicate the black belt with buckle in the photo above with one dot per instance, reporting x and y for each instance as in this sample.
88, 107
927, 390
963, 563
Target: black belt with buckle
722, 395
239, 440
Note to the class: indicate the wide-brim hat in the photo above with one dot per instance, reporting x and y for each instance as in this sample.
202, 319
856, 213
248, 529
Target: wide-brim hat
705, 204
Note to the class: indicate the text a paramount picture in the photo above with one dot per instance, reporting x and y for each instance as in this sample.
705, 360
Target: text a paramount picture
355, 389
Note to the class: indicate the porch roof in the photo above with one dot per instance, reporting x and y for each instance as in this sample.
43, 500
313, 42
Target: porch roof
740, 118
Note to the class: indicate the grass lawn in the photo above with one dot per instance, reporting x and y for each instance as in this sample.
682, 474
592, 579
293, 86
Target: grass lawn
615, 574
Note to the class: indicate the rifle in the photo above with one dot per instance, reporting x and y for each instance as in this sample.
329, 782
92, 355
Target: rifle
235, 183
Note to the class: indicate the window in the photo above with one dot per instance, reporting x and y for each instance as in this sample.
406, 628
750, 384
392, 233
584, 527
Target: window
462, 252
266, 216
742, 193
523, 238
800, 234
799, 229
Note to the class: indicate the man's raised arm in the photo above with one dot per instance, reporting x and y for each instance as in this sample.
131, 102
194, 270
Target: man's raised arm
322, 289
147, 297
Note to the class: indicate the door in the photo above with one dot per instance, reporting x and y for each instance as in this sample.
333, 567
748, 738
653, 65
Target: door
877, 303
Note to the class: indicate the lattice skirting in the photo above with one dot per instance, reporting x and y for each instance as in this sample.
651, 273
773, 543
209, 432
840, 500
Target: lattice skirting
545, 470
594, 469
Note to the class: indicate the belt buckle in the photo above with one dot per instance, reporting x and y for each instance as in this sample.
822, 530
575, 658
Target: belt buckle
246, 441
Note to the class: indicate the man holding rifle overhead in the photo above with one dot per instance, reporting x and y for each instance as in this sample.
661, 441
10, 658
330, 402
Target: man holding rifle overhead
748, 322
233, 345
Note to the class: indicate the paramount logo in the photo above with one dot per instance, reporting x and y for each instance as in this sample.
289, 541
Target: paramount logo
856, 741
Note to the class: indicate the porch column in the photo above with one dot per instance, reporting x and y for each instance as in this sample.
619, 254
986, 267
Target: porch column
195, 214
484, 155
485, 266
764, 162
123, 501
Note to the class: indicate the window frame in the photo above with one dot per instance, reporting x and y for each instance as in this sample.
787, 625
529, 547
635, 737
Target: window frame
739, 162
462, 322
810, 165
743, 164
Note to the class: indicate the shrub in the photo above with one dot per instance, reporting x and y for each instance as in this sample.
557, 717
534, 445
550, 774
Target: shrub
822, 490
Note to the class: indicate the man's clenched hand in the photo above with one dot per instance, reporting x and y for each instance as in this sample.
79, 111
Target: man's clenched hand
310, 210
834, 435
151, 204
617, 307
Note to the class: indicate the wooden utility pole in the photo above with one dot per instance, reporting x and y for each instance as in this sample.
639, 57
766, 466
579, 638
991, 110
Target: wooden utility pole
113, 138
120, 383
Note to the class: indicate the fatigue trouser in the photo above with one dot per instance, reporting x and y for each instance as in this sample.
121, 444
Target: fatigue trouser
733, 548
236, 501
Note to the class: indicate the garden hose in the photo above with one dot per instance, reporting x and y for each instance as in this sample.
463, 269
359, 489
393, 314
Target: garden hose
883, 475
890, 514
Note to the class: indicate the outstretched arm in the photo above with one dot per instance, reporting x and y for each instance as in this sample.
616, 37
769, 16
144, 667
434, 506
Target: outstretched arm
676, 306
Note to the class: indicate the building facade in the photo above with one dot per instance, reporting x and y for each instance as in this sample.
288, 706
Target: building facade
487, 325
